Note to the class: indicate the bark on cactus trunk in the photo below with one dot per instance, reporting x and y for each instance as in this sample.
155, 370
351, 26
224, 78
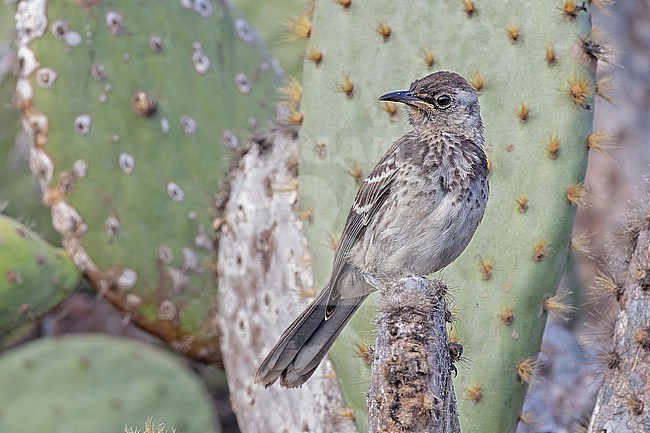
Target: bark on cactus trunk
265, 280
411, 388
623, 401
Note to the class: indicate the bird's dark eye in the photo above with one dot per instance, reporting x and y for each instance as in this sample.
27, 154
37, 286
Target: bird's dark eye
443, 101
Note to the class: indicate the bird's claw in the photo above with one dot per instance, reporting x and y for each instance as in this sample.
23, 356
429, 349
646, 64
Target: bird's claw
372, 279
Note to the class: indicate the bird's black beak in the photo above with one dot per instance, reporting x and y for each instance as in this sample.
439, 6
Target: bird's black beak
405, 97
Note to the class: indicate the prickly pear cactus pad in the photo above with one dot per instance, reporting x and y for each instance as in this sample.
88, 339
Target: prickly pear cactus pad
534, 69
34, 276
134, 110
94, 383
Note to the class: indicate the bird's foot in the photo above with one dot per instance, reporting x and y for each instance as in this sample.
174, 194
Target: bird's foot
372, 279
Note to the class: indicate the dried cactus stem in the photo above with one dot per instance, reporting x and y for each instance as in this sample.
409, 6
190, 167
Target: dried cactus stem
622, 404
411, 388
262, 272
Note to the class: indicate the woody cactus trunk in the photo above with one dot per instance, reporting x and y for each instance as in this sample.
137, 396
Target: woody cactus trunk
534, 67
625, 352
134, 110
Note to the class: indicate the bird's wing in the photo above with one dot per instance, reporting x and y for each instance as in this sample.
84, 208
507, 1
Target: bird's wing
370, 198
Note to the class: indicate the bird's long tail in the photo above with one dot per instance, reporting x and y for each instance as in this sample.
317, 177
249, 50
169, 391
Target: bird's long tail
306, 341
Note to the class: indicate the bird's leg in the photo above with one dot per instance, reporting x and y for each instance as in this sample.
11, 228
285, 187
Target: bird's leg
372, 279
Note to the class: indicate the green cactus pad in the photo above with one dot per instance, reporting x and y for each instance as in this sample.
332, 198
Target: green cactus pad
34, 276
535, 85
95, 383
134, 110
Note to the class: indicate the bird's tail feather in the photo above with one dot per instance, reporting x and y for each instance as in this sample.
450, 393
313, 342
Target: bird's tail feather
306, 342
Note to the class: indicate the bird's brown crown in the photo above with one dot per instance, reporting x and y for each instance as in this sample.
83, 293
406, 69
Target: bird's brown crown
438, 82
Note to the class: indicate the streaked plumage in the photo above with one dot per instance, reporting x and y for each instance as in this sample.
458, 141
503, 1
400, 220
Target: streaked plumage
414, 214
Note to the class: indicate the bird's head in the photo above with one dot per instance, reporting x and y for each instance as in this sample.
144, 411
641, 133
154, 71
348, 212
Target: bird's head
442, 102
